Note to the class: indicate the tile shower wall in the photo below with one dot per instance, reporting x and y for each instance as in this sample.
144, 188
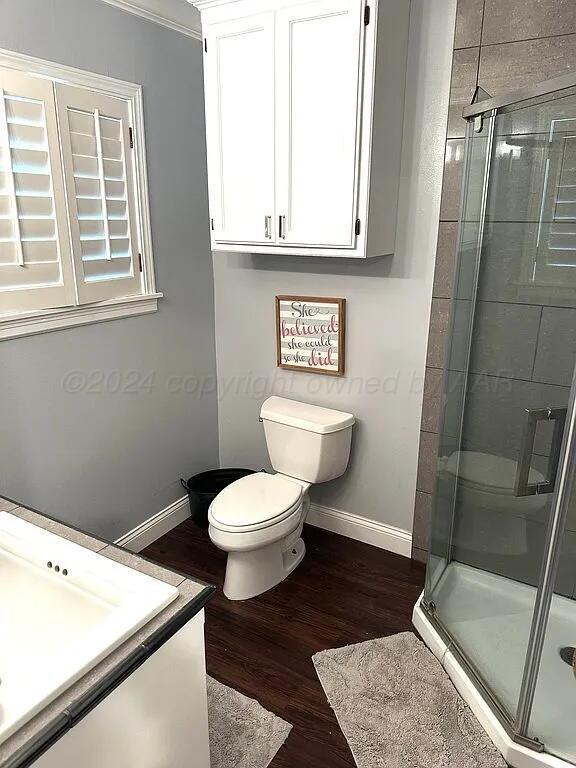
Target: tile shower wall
499, 45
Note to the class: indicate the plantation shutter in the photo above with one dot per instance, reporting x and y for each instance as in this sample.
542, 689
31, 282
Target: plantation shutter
35, 260
98, 169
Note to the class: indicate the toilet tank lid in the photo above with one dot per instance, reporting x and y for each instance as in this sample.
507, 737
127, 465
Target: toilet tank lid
312, 418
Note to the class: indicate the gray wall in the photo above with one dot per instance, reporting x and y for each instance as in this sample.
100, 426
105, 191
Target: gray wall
105, 461
500, 45
388, 307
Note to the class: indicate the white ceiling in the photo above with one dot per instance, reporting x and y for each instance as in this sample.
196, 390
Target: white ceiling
176, 14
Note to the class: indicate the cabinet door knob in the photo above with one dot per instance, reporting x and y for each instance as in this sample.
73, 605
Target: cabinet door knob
268, 227
282, 227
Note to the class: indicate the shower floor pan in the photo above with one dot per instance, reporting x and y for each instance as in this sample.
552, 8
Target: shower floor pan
489, 618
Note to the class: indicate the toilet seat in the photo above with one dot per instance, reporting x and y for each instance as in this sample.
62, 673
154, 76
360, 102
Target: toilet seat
255, 502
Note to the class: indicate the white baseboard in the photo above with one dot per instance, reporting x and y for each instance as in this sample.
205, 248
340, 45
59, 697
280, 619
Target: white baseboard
346, 524
156, 526
362, 529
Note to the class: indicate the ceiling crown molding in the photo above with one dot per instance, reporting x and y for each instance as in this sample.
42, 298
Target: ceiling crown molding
174, 14
203, 5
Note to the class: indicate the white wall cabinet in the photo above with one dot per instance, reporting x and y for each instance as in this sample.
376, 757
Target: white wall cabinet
304, 113
240, 104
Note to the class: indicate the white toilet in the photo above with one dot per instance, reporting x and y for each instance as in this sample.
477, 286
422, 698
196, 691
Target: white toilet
258, 519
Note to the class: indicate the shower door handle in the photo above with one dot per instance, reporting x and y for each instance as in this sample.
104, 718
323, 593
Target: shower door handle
522, 486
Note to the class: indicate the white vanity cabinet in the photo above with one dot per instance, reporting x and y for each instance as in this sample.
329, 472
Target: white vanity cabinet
156, 718
304, 113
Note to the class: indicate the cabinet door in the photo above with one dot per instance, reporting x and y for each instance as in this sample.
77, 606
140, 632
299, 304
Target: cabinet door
318, 98
239, 83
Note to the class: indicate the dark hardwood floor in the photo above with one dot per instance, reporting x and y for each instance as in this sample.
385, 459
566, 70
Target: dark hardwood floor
343, 592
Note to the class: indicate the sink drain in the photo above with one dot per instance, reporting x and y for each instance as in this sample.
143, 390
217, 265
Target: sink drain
568, 655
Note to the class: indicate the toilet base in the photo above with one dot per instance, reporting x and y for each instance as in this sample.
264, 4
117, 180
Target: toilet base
251, 573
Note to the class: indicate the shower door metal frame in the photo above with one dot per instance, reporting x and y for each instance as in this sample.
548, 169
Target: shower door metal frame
545, 88
549, 570
504, 717
473, 129
516, 726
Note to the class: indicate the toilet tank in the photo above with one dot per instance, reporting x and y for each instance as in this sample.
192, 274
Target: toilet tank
305, 441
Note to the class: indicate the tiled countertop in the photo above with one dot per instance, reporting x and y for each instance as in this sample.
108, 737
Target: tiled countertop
193, 595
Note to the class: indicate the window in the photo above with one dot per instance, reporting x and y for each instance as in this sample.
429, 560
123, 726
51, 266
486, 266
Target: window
555, 256
75, 243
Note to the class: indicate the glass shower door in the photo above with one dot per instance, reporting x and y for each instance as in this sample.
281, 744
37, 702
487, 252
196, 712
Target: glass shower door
507, 389
550, 716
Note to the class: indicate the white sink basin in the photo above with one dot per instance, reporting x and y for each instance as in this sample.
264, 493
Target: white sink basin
63, 609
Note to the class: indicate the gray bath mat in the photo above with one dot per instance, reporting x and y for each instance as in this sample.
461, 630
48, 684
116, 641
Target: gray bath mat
242, 733
397, 707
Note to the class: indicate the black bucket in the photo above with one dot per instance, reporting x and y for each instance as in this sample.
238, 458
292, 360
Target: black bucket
203, 489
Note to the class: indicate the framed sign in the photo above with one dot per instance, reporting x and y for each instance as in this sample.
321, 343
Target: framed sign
310, 334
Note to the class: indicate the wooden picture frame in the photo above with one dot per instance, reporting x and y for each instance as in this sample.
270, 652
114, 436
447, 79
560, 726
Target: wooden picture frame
305, 344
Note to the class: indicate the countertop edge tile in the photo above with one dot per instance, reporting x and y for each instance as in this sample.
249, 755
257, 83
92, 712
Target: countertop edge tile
141, 564
59, 529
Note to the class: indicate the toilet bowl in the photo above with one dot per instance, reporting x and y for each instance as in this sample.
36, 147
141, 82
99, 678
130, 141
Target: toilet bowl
259, 518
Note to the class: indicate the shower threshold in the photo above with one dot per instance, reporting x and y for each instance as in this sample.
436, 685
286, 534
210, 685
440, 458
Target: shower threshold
488, 617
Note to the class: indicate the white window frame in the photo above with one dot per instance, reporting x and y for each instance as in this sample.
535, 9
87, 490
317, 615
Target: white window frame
41, 321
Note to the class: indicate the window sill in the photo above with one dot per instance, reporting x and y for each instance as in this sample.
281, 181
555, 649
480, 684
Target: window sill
43, 321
